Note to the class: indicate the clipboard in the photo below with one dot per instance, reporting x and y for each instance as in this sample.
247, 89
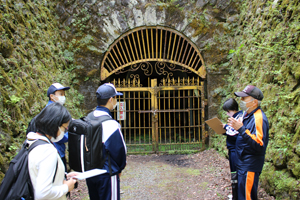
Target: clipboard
216, 125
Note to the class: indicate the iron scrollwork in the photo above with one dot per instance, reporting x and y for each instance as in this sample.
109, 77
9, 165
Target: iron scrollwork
159, 68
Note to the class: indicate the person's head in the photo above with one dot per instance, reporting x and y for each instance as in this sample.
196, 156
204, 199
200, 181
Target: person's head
56, 93
251, 98
106, 96
230, 106
53, 121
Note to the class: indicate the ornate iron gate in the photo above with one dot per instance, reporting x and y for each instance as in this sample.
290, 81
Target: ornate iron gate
157, 113
165, 117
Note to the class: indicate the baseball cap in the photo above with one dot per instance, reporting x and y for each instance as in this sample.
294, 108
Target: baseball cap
54, 87
106, 91
252, 91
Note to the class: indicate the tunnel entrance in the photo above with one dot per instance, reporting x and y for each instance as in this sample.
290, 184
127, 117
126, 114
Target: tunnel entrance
161, 74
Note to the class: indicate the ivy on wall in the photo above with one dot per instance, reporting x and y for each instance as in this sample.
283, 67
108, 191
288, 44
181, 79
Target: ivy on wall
266, 54
31, 58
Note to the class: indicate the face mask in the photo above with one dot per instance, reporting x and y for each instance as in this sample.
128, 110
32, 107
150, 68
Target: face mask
243, 105
58, 138
230, 114
61, 99
114, 106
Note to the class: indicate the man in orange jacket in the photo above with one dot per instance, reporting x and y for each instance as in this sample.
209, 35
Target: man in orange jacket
251, 142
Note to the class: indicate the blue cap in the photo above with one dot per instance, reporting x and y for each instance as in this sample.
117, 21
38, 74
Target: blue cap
54, 87
106, 91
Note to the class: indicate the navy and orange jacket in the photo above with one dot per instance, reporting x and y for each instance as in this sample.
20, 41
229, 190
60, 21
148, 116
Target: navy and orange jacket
252, 141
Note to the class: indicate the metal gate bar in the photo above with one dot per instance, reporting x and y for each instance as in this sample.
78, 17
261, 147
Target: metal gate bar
162, 118
151, 43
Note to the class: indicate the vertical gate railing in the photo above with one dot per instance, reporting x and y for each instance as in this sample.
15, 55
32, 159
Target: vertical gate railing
181, 120
166, 117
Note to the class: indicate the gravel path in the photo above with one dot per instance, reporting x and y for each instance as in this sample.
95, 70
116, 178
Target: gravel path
204, 176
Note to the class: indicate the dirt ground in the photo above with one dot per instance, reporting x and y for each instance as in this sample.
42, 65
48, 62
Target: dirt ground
204, 176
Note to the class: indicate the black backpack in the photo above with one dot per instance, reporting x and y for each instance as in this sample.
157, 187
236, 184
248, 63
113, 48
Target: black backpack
16, 183
85, 143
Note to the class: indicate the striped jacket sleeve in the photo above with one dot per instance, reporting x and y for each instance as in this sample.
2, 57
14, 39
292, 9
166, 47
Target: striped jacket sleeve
114, 143
256, 138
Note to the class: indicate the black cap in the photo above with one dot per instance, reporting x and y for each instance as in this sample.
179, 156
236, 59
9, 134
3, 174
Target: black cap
252, 91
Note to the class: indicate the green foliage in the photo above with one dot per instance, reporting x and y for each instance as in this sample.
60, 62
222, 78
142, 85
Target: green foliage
13, 99
32, 57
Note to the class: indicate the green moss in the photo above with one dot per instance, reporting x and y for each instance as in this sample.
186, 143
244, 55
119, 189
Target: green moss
199, 27
148, 4
31, 60
279, 182
279, 159
92, 72
175, 10
292, 164
6, 48
193, 172
216, 10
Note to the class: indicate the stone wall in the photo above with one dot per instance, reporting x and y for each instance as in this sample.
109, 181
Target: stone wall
92, 26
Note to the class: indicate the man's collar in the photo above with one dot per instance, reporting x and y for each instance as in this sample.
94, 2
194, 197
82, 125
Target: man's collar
102, 108
253, 111
237, 113
49, 102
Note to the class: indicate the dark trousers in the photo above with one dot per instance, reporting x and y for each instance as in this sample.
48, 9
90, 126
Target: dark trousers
247, 185
104, 187
232, 160
234, 175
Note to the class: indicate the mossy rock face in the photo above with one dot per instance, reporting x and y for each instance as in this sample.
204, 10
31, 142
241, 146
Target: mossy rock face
267, 182
92, 72
279, 159
294, 165
31, 59
4, 63
296, 170
6, 48
279, 183
297, 149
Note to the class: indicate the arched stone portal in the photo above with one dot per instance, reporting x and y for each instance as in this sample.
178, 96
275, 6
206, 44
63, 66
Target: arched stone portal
161, 73
96, 28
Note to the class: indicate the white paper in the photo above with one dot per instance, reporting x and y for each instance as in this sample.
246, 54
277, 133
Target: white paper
90, 173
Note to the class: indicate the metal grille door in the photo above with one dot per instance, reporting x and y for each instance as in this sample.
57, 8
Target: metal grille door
181, 115
166, 117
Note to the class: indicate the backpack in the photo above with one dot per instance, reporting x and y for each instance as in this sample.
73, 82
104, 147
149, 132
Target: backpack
85, 143
17, 183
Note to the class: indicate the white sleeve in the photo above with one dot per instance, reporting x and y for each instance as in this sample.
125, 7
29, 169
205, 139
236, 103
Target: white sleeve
46, 166
231, 131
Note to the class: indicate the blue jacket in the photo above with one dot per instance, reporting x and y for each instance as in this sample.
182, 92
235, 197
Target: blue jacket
60, 145
231, 140
252, 141
113, 142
